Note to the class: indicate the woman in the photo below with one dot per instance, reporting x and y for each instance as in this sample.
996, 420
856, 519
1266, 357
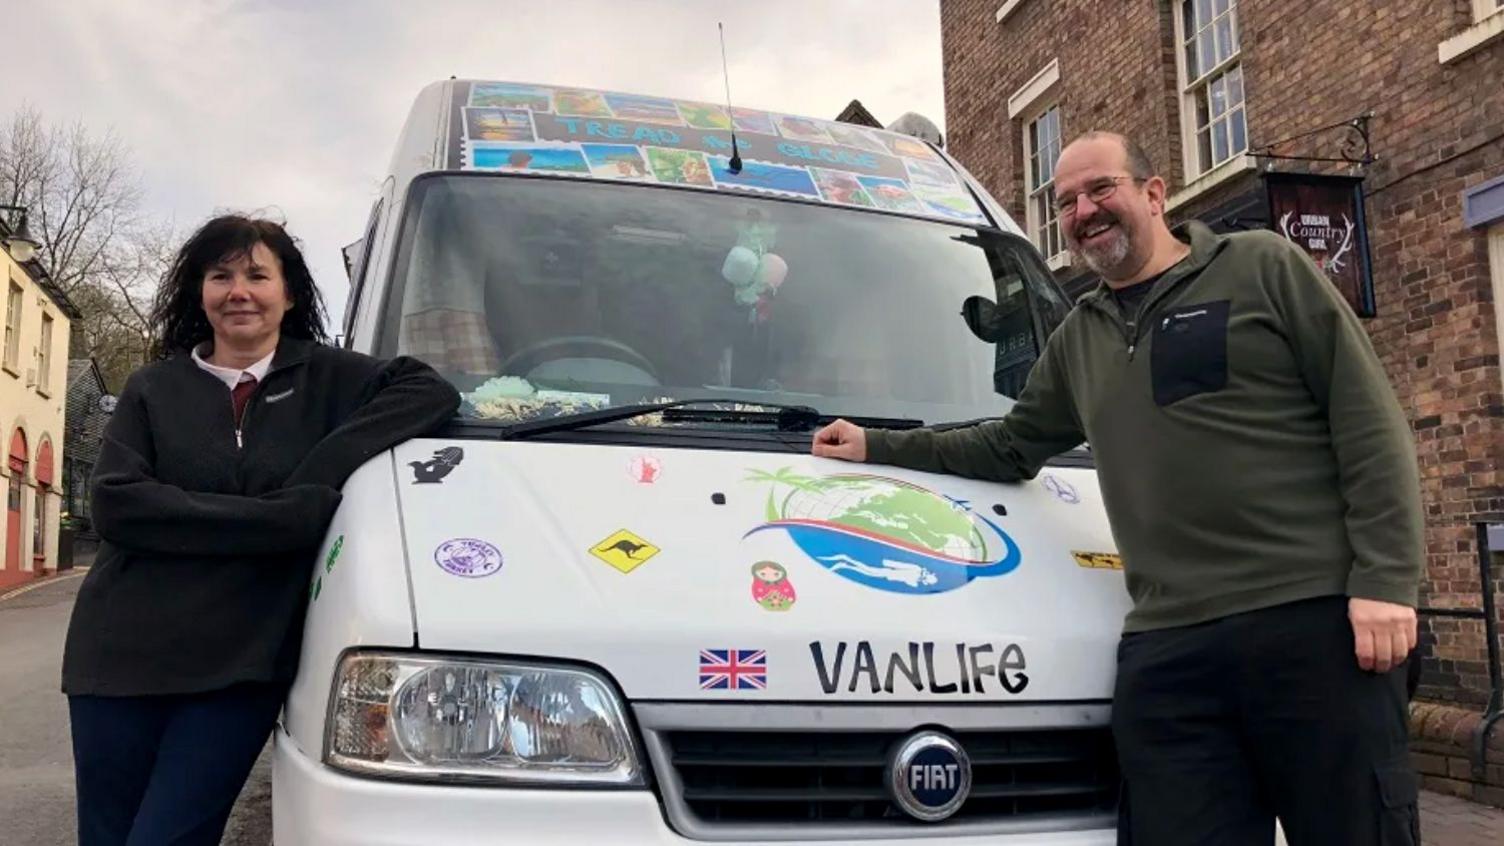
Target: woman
218, 476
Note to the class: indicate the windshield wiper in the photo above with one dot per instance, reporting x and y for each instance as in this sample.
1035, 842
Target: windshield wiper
787, 418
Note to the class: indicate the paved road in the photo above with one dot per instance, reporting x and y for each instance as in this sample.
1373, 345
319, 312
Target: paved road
36, 761
36, 764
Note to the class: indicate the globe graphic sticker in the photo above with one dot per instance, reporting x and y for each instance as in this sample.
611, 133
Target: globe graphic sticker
885, 533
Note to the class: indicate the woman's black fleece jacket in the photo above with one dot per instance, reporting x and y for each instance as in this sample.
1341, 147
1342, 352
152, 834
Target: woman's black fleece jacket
201, 580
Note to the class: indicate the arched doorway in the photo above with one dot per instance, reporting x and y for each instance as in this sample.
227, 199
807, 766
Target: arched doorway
16, 459
39, 518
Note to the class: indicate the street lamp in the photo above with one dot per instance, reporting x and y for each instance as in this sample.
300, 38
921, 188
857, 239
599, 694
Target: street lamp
20, 243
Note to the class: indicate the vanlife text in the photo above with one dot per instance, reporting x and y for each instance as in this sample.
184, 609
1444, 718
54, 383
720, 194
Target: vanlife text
920, 668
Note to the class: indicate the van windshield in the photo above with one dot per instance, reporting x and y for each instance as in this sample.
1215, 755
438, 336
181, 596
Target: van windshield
539, 297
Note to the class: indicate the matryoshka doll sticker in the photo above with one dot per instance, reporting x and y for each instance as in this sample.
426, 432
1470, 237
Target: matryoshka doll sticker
770, 586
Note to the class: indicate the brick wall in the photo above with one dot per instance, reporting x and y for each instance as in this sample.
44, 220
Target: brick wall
1444, 750
1436, 129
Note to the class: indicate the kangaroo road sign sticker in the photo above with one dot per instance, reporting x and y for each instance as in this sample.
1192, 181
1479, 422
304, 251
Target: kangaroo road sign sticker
624, 550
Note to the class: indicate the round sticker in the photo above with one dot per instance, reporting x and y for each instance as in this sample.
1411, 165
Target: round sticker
468, 557
645, 469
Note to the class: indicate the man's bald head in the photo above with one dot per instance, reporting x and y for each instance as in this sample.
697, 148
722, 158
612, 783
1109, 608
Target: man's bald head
1136, 158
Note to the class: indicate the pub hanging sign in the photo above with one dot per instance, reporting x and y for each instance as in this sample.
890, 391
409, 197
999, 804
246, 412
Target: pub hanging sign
1323, 215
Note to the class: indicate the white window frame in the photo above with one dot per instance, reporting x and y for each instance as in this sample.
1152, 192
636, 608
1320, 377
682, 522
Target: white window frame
1496, 270
1488, 27
1008, 8
44, 356
1039, 208
14, 300
1192, 90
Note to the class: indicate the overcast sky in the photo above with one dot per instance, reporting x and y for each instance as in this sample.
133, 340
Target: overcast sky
294, 105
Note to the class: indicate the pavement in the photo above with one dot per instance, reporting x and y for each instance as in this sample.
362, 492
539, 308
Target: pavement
1449, 821
36, 757
36, 761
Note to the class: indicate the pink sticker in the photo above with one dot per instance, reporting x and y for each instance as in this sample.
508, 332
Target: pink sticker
645, 469
771, 587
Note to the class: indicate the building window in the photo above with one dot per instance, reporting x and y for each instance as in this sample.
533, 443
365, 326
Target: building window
76, 487
13, 497
1485, 8
38, 545
1042, 148
44, 356
1211, 78
13, 327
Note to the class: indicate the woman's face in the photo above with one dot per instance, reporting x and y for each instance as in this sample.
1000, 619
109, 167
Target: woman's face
245, 299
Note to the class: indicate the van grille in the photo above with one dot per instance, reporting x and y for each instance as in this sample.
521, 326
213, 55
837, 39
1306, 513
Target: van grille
755, 778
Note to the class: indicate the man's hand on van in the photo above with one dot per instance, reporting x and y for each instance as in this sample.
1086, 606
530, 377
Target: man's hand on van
843, 440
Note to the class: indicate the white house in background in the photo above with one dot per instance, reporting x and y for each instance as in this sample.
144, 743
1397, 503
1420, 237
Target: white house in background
33, 384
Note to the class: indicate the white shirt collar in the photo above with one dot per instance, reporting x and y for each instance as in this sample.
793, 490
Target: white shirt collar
229, 375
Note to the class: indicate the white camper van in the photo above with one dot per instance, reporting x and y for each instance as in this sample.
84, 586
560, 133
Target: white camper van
616, 601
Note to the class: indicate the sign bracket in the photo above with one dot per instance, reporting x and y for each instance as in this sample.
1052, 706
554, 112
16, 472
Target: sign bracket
1355, 146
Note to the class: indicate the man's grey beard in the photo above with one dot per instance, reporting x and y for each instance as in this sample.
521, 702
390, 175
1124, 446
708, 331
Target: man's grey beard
1104, 260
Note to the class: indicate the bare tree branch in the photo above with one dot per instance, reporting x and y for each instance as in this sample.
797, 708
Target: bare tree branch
80, 188
82, 194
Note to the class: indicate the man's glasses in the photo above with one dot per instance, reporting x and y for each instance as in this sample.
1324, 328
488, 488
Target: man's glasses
1097, 191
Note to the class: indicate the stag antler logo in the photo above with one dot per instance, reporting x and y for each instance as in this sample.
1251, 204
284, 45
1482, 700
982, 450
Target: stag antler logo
1333, 262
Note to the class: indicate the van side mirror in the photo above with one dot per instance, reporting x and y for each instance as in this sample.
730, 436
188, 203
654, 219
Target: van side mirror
349, 251
981, 316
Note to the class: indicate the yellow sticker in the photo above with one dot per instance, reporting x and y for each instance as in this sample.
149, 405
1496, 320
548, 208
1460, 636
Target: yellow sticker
1099, 560
624, 551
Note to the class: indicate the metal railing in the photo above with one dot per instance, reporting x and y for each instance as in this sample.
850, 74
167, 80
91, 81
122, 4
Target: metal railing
1489, 535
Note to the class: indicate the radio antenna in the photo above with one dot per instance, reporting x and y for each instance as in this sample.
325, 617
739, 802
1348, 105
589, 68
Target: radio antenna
735, 165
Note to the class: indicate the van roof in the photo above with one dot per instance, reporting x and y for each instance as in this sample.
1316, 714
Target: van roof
581, 132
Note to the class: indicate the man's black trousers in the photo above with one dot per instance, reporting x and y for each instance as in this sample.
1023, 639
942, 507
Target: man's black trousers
1222, 726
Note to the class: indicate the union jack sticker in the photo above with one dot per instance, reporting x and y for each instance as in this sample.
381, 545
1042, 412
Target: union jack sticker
733, 669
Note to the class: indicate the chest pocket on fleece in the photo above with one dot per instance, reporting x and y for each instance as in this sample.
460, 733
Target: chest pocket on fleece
1189, 353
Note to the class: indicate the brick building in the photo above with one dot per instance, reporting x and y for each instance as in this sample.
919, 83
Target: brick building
1205, 85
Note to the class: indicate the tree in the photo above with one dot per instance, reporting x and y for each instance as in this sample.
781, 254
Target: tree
81, 192
82, 195
116, 305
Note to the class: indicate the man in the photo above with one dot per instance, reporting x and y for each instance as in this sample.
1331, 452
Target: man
1262, 486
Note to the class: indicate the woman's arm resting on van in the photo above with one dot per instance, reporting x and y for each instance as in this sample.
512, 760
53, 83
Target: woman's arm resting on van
404, 398
133, 510
1041, 425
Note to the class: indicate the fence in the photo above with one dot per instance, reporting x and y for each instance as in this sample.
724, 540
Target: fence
1490, 536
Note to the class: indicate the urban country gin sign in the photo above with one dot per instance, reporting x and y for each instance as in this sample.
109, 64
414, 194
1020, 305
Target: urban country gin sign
1323, 215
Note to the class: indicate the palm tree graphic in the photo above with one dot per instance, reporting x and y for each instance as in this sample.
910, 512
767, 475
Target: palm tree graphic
786, 476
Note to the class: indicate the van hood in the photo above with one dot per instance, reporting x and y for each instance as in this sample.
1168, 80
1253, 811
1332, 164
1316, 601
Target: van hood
715, 575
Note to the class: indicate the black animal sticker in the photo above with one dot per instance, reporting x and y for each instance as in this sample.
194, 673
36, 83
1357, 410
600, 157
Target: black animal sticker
434, 470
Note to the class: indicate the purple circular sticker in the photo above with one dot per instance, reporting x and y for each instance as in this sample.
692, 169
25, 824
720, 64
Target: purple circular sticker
468, 557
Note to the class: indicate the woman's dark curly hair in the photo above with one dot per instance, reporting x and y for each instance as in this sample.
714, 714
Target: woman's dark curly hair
177, 315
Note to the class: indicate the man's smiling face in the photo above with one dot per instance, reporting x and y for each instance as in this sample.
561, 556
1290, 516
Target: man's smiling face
1106, 211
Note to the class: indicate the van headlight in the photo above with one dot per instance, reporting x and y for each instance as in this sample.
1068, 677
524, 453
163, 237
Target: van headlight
463, 719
